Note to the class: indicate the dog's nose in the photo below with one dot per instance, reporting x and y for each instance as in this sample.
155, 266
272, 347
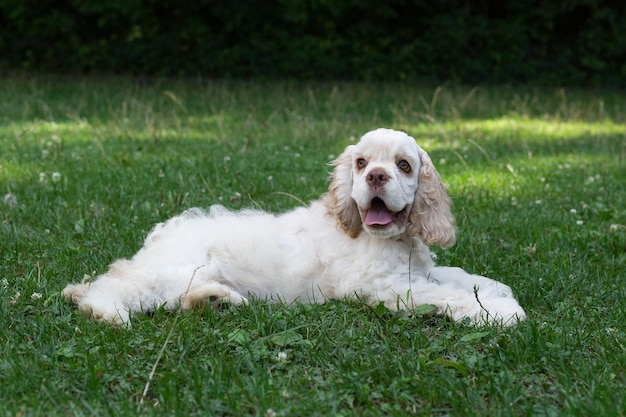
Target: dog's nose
376, 178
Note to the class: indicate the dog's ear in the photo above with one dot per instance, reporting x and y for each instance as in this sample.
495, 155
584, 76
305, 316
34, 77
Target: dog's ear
339, 200
431, 217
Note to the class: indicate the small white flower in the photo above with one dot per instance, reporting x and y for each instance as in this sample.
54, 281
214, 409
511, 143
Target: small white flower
616, 227
537, 202
573, 211
442, 161
227, 158
56, 138
331, 156
42, 177
14, 299
36, 296
56, 177
5, 283
235, 197
579, 222
45, 153
281, 356
270, 178
297, 155
270, 413
9, 200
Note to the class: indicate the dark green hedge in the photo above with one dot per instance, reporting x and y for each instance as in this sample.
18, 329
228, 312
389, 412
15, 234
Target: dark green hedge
566, 42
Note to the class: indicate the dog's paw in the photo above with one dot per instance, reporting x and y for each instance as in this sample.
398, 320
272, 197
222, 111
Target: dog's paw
105, 314
96, 303
74, 293
213, 294
504, 311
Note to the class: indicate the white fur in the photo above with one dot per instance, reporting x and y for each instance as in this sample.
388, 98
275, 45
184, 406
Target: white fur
312, 253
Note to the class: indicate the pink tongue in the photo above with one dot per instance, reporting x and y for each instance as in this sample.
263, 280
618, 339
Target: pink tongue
378, 214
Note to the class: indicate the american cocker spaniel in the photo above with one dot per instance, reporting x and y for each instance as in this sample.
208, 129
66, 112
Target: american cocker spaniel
368, 237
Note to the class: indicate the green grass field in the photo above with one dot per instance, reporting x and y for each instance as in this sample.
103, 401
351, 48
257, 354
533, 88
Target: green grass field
87, 166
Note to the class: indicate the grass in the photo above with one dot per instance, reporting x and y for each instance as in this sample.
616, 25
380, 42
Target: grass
87, 166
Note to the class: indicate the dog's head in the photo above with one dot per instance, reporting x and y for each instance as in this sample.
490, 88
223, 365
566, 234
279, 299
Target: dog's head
387, 185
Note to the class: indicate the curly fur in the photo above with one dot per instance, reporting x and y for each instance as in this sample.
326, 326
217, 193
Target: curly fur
368, 237
431, 218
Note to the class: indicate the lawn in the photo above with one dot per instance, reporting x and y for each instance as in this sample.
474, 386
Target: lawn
87, 166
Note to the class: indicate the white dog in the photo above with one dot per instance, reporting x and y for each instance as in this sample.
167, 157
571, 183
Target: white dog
367, 237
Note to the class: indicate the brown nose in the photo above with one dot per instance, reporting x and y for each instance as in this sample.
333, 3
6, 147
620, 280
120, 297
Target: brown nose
376, 178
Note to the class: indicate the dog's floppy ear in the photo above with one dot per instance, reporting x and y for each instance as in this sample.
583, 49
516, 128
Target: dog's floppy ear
431, 218
339, 197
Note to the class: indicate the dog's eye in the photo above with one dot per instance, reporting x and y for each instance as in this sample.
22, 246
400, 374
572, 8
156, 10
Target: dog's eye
404, 166
361, 163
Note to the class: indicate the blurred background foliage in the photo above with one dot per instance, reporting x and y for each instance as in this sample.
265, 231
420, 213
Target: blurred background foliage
569, 42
